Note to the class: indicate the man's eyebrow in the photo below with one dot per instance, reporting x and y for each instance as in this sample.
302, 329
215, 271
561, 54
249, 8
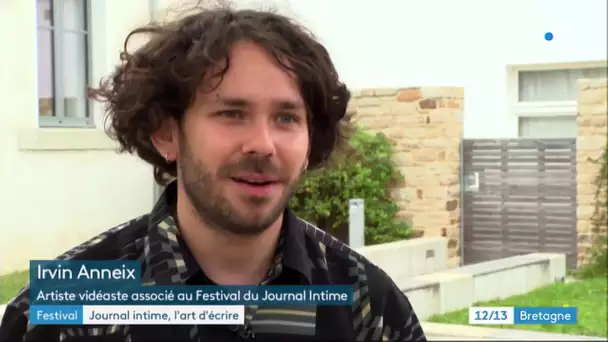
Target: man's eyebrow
283, 104
289, 104
232, 101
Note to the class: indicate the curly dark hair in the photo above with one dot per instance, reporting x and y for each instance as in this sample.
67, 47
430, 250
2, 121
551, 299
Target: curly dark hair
159, 80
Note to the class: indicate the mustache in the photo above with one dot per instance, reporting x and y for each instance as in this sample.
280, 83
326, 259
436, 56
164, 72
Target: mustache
254, 164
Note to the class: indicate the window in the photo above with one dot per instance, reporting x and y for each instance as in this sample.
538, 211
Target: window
548, 127
554, 85
546, 100
63, 63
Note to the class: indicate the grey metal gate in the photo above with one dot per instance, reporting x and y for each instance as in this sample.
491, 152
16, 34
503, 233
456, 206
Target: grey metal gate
519, 196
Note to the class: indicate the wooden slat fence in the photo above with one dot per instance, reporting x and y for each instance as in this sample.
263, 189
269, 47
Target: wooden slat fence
519, 196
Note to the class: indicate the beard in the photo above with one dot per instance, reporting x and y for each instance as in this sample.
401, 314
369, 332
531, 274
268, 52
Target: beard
213, 207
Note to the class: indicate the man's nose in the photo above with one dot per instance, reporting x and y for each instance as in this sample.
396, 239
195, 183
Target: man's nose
259, 140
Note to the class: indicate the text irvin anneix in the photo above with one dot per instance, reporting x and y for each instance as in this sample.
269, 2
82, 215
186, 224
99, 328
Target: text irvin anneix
84, 272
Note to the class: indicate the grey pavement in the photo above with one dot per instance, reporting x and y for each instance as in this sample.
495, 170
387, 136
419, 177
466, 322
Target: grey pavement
447, 332
453, 338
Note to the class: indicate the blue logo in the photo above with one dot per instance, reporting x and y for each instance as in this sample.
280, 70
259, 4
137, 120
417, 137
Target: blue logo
548, 36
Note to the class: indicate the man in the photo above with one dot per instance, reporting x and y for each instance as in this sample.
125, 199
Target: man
230, 108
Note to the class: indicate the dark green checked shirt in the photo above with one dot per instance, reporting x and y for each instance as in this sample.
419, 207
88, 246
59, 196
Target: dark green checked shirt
306, 256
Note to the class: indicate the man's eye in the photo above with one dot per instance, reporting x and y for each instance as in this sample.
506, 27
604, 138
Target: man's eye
287, 118
232, 114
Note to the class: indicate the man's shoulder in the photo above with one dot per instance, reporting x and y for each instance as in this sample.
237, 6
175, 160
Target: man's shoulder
379, 306
119, 242
338, 257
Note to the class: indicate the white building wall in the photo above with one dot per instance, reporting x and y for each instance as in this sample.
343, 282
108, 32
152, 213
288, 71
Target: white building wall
60, 186
469, 43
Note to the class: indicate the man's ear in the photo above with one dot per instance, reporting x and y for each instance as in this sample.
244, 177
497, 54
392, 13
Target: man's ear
166, 141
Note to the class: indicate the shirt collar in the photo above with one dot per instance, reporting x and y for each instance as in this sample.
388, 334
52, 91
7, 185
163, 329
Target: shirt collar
168, 261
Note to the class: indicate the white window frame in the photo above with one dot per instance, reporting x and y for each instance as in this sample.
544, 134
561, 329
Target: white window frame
542, 109
154, 7
548, 109
59, 120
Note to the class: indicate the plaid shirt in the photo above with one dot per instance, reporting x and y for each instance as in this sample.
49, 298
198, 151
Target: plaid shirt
306, 256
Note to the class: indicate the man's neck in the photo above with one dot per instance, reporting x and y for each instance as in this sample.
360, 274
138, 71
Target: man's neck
226, 258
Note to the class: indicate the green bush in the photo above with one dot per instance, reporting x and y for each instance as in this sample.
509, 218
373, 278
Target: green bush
597, 264
366, 170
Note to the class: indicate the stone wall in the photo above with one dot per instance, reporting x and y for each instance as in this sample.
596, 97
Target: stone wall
592, 122
425, 125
